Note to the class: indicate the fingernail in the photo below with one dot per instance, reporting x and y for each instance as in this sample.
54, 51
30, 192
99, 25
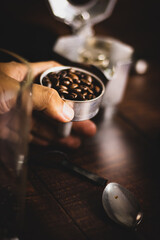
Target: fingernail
68, 112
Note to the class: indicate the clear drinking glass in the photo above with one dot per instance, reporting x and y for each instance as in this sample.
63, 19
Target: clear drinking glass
15, 112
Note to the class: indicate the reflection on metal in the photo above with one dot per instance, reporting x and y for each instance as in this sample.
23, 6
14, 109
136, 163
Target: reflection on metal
77, 16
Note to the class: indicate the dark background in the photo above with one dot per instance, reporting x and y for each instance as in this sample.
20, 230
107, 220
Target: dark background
28, 27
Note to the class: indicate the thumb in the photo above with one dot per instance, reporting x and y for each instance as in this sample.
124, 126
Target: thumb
48, 100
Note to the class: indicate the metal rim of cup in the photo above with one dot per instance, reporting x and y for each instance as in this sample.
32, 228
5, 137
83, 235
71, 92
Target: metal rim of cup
58, 69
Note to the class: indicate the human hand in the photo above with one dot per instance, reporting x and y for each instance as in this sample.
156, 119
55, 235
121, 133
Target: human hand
44, 99
48, 103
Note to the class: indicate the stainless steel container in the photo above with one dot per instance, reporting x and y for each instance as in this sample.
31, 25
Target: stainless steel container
83, 110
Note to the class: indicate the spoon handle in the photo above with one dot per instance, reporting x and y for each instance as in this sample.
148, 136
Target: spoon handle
57, 158
83, 172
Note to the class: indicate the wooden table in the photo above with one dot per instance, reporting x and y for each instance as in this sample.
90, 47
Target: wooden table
63, 206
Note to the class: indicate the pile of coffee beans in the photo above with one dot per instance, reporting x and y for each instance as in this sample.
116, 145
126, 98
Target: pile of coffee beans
73, 85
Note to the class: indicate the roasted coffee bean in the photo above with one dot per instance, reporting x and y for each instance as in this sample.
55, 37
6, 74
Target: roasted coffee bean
73, 95
63, 74
85, 94
73, 76
71, 70
52, 76
74, 85
77, 81
91, 86
97, 89
66, 82
90, 96
78, 73
55, 82
83, 87
46, 82
89, 78
63, 87
63, 91
81, 96
85, 81
77, 90
67, 79
81, 75
90, 91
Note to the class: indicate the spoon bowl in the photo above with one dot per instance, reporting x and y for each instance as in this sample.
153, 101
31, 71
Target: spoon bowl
121, 205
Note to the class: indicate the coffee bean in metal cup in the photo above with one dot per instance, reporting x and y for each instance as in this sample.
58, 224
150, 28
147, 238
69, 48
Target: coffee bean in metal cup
72, 84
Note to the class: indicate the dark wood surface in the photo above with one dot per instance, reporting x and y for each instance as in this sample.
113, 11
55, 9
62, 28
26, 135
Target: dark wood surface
63, 206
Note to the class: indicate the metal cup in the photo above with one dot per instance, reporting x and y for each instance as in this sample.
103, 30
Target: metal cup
83, 110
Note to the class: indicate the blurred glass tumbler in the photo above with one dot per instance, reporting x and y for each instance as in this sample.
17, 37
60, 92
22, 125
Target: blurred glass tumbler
15, 112
83, 109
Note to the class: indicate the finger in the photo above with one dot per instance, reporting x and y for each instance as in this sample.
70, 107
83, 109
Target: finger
39, 67
37, 140
6, 133
47, 139
86, 127
70, 142
14, 70
42, 128
17, 70
48, 100
44, 133
9, 88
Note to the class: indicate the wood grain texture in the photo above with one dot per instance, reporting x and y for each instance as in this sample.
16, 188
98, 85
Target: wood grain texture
61, 205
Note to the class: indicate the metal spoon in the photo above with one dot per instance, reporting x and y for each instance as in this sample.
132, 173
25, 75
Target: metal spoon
121, 206
118, 202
